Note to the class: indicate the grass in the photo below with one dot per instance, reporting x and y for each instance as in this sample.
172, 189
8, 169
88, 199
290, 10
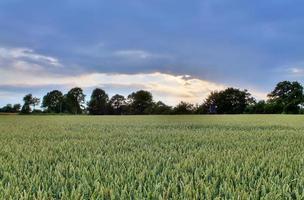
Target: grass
152, 157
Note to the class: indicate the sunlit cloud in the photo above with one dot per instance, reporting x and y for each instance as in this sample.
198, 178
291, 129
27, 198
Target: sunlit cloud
166, 87
15, 71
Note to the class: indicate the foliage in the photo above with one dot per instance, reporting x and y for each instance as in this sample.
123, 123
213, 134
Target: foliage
183, 108
74, 100
256, 108
160, 108
152, 157
53, 101
118, 105
228, 101
288, 95
140, 102
9, 108
98, 103
29, 101
35, 102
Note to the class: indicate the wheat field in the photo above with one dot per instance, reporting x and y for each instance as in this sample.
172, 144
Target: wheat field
152, 157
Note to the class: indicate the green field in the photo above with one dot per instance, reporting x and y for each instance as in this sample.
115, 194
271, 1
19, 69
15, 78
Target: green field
152, 157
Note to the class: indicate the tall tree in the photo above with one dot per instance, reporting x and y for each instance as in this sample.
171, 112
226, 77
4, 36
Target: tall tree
16, 108
28, 101
118, 105
74, 101
98, 103
140, 102
228, 101
35, 102
53, 101
287, 96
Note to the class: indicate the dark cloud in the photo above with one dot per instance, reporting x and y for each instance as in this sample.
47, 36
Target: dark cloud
237, 43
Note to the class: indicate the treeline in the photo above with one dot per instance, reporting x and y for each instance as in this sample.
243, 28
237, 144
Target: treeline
287, 97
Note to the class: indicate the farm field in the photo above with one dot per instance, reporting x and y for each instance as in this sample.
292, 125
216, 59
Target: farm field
152, 157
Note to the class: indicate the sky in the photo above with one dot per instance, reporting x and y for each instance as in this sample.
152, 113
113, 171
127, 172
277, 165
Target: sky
178, 50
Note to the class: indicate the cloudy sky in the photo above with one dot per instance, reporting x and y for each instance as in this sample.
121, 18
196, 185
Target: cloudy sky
178, 50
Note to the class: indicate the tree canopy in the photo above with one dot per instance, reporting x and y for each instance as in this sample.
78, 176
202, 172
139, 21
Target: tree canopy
228, 101
287, 97
118, 105
74, 101
28, 101
53, 101
98, 103
140, 102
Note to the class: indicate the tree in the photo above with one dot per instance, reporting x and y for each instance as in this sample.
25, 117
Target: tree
98, 102
211, 103
259, 107
53, 101
16, 108
35, 102
287, 96
183, 108
74, 101
28, 101
273, 108
228, 101
200, 109
160, 108
7, 109
118, 105
140, 102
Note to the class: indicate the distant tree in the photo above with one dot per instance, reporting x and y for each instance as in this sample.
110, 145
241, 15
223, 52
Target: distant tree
228, 101
26, 109
140, 102
74, 100
118, 105
35, 102
98, 102
28, 101
53, 101
256, 108
16, 108
200, 109
160, 108
287, 96
7, 109
183, 108
273, 108
211, 103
